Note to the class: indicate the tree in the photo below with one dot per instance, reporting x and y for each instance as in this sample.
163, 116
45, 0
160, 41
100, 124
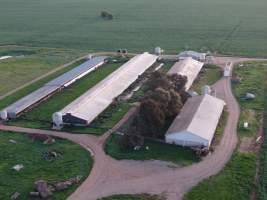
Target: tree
130, 141
153, 117
106, 15
179, 81
158, 79
174, 105
161, 96
165, 96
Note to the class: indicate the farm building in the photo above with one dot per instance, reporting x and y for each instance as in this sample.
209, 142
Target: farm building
196, 124
5, 57
192, 54
87, 107
189, 68
51, 87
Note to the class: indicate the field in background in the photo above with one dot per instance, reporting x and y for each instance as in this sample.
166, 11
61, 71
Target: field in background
29, 63
229, 26
74, 161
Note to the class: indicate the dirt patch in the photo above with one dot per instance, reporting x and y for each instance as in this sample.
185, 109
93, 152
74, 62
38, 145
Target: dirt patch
253, 145
250, 114
247, 145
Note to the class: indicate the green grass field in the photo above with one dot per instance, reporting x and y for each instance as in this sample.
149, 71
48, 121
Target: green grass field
29, 63
233, 183
229, 26
73, 161
262, 182
23, 92
253, 79
133, 197
209, 76
157, 151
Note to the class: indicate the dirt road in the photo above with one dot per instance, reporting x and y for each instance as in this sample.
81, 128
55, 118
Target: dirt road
110, 176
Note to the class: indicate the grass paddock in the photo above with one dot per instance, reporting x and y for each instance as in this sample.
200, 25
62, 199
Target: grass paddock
73, 161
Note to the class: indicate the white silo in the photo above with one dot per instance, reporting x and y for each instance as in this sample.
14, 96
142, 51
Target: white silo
3, 115
206, 89
89, 57
57, 119
158, 51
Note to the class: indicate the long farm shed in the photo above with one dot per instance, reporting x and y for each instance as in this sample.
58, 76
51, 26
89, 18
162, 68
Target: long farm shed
87, 107
51, 87
196, 124
189, 68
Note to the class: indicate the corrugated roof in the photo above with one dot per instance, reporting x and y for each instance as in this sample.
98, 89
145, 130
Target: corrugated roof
199, 116
77, 71
98, 98
189, 68
193, 54
53, 85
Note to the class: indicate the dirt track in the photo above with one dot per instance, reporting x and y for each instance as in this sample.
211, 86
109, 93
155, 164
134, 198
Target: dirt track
110, 176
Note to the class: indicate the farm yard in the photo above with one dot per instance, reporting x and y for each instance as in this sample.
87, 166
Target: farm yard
237, 27
40, 116
151, 124
33, 154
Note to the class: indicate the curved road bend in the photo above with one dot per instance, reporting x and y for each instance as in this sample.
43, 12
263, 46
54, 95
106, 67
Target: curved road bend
110, 176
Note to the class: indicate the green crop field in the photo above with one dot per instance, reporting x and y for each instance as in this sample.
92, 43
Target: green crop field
72, 161
29, 63
228, 26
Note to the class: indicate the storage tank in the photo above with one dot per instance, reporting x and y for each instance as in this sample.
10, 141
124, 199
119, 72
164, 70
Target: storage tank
3, 115
158, 51
57, 119
206, 89
89, 57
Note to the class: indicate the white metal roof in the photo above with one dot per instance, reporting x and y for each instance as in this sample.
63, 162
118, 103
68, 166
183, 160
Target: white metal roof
193, 54
199, 116
63, 80
98, 98
189, 68
5, 57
